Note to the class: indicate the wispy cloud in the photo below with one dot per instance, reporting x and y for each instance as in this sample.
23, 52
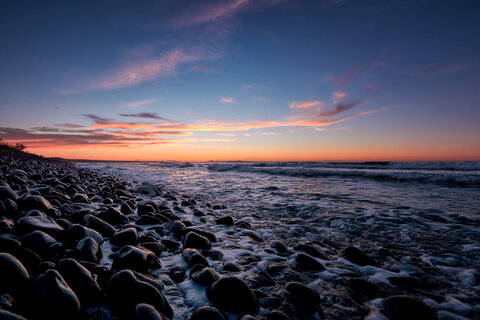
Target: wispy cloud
96, 119
142, 71
227, 99
137, 104
70, 125
339, 108
342, 79
148, 115
305, 104
438, 69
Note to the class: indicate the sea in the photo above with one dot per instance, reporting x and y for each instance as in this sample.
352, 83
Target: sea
425, 214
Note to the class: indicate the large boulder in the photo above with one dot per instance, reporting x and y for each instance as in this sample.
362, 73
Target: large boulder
14, 277
233, 295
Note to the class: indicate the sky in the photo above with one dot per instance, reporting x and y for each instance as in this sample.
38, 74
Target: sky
270, 80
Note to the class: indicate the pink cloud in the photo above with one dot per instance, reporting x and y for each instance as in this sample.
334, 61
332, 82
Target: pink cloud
137, 104
227, 100
305, 104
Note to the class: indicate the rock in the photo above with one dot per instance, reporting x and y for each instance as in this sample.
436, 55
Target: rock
87, 249
115, 217
233, 295
303, 295
76, 232
37, 203
6, 315
125, 208
155, 247
205, 277
193, 257
279, 245
307, 263
231, 267
144, 189
253, 234
405, 307
52, 297
276, 315
177, 228
40, 242
81, 281
7, 193
210, 236
144, 208
311, 250
358, 257
226, 220
141, 260
145, 311
43, 223
362, 290
177, 274
125, 237
170, 244
9, 245
10, 207
104, 228
274, 268
80, 198
124, 291
196, 241
146, 220
206, 313
14, 277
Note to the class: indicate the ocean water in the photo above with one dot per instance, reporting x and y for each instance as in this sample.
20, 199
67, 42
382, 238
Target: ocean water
426, 214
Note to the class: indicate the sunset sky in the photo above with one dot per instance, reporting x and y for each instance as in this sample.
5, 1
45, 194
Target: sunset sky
242, 79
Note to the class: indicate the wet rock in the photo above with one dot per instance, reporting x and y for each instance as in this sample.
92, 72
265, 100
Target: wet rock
43, 223
124, 291
103, 227
216, 255
196, 241
115, 217
40, 242
87, 249
10, 207
312, 250
145, 311
210, 236
177, 228
76, 232
125, 237
206, 313
177, 274
262, 279
274, 268
405, 307
52, 297
6, 315
147, 220
193, 257
248, 317
144, 189
155, 247
170, 244
226, 220
233, 295
231, 267
253, 234
81, 281
14, 277
9, 245
36, 202
205, 277
279, 245
307, 263
80, 198
362, 290
358, 257
141, 260
125, 208
7, 193
144, 208
276, 315
303, 295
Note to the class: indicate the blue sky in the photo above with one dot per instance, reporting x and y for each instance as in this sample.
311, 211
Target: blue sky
199, 80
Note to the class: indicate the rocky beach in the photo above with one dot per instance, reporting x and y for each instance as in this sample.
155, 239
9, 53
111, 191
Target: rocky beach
83, 243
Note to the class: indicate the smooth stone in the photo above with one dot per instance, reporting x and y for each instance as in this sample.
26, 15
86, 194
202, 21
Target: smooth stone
279, 245
307, 263
52, 297
14, 276
155, 247
80, 198
177, 228
196, 241
253, 234
302, 294
9, 245
39, 242
88, 249
6, 315
193, 257
170, 244
146, 190
81, 281
226, 220
362, 290
36, 202
145, 209
276, 315
145, 311
311, 250
124, 291
177, 274
233, 295
115, 217
205, 277
232, 267
11, 207
103, 227
42, 223
125, 208
7, 193
405, 307
77, 232
206, 313
210, 236
125, 237
147, 220
358, 257
248, 317
141, 260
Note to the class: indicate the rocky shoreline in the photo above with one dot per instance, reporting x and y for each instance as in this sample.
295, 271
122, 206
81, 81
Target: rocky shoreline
80, 244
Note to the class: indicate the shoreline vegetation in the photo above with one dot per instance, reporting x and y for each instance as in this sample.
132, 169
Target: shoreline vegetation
77, 243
